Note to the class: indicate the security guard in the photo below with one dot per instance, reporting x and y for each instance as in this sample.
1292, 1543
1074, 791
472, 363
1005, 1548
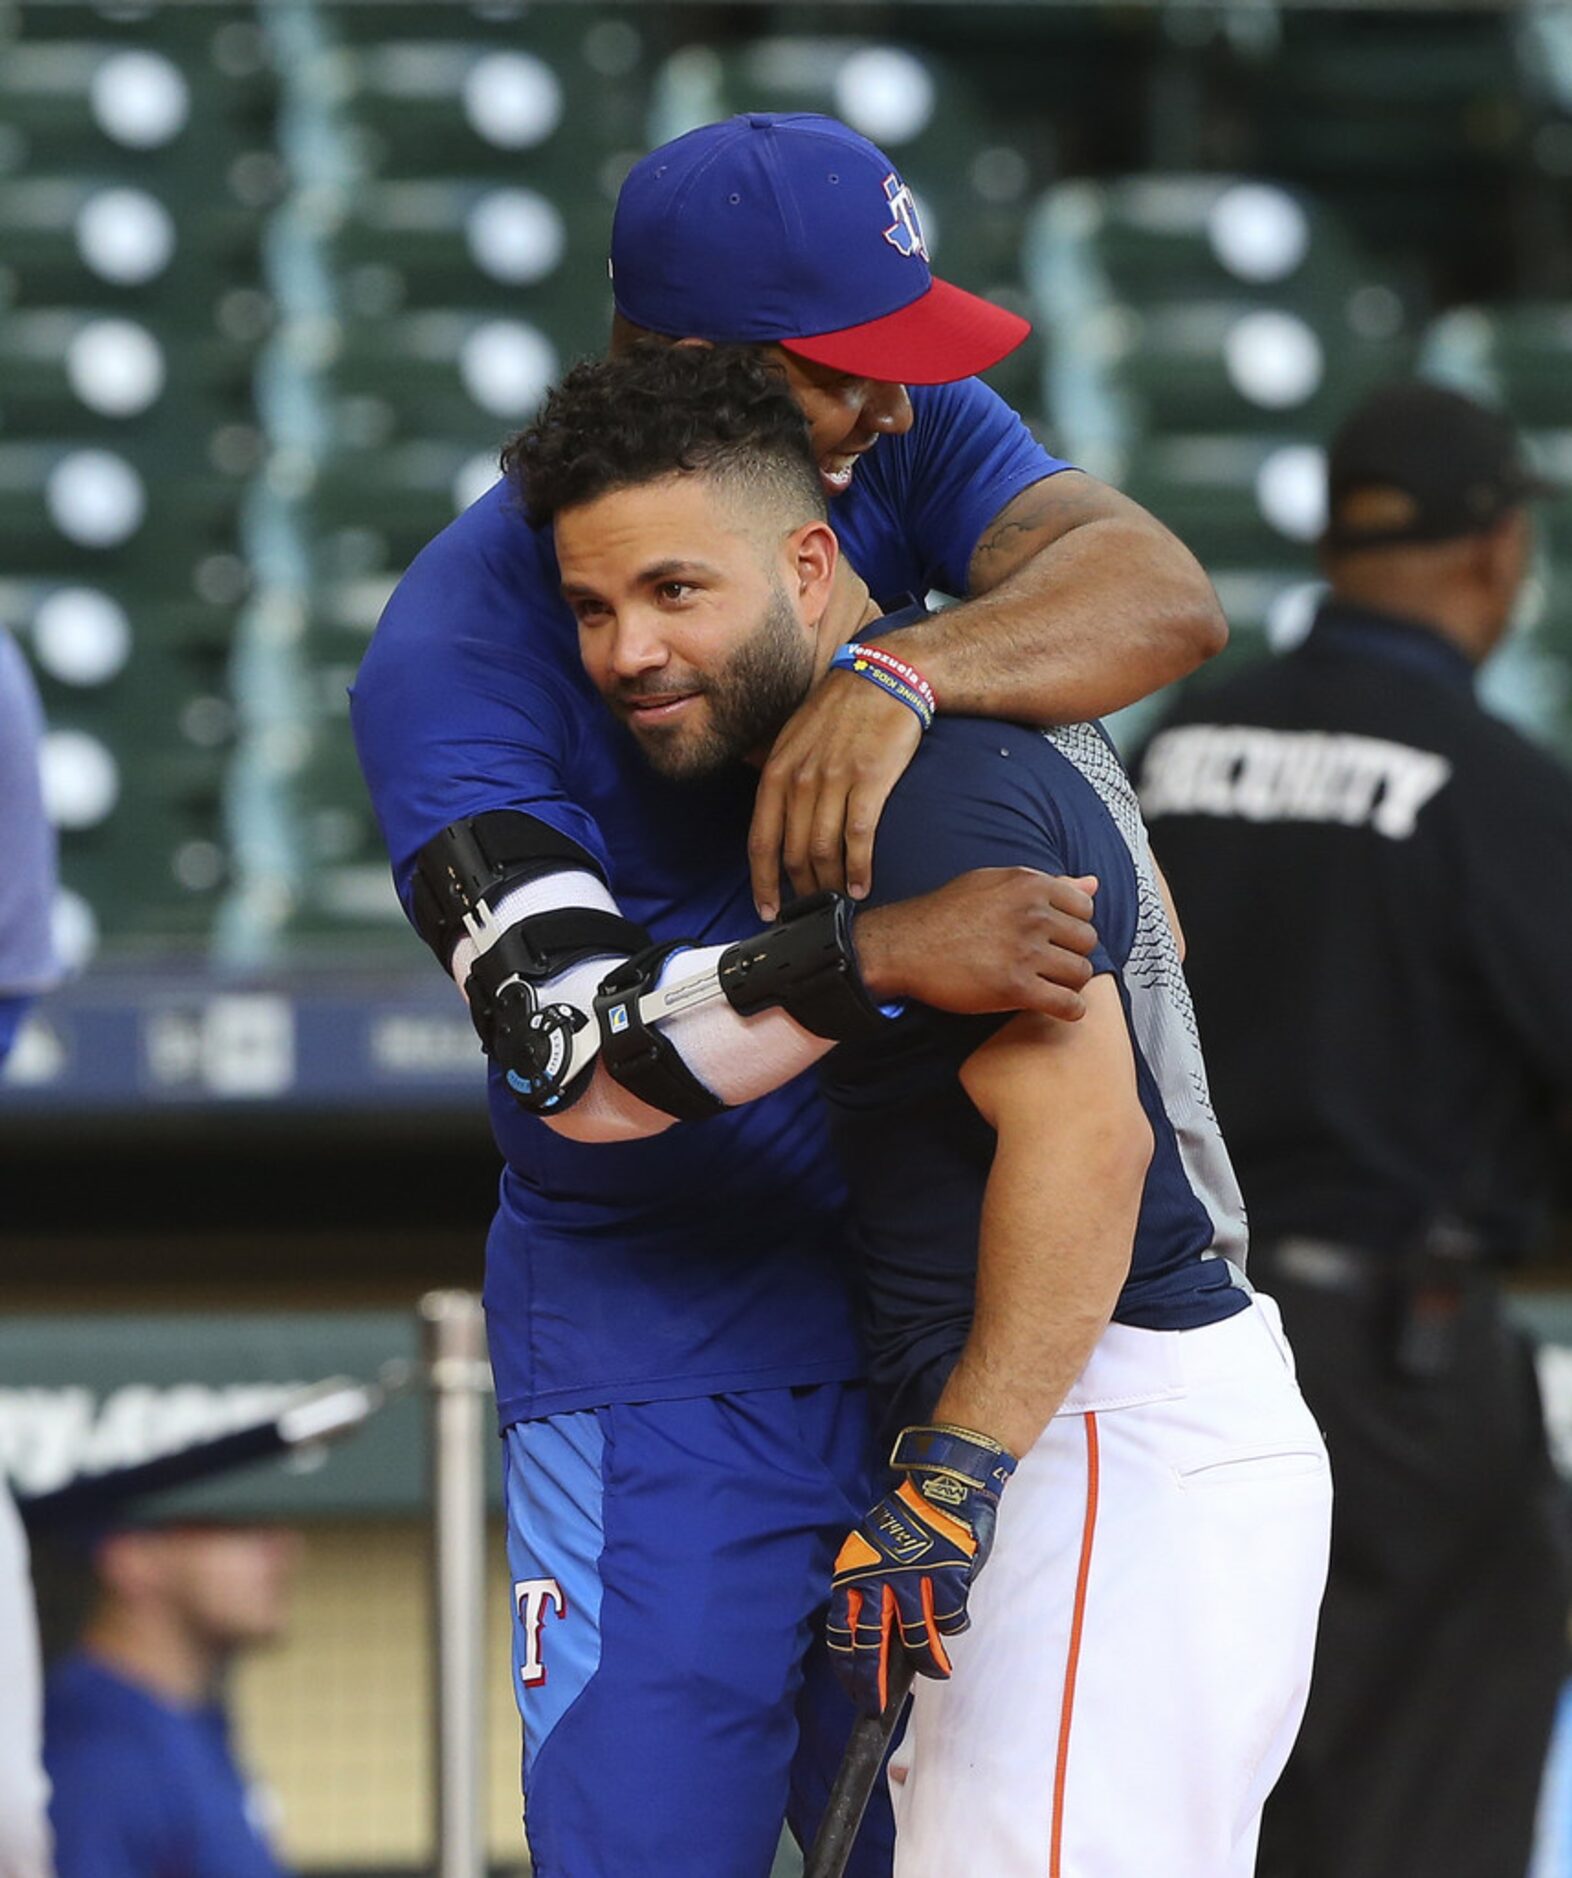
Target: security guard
1376, 879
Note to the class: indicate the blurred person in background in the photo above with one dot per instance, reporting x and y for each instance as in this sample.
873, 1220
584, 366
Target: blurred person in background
27, 849
27, 967
136, 1735
1376, 881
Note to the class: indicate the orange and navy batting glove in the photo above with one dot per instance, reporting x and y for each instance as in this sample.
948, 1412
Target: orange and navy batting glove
906, 1570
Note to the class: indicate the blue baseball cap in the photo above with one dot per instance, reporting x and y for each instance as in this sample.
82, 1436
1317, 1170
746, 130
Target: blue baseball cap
795, 231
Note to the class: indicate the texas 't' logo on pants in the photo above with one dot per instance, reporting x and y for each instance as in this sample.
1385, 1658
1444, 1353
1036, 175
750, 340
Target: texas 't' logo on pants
533, 1597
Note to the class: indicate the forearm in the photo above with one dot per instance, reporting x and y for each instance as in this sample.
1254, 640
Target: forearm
1059, 1213
740, 1059
1057, 1231
1108, 611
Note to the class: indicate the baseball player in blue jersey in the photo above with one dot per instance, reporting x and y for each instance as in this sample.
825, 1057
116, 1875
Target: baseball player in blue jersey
1051, 1239
677, 1367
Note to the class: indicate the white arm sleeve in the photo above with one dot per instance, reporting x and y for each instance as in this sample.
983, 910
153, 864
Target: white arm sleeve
738, 1059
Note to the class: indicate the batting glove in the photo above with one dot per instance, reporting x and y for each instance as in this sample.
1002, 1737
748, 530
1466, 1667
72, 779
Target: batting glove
907, 1568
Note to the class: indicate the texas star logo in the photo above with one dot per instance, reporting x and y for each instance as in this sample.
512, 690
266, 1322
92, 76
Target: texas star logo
532, 1597
905, 232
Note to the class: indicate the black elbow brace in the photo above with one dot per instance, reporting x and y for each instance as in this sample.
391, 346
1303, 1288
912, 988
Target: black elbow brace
534, 1044
461, 875
807, 964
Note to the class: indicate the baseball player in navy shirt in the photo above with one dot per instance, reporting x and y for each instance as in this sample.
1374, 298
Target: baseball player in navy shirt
1051, 1237
677, 1367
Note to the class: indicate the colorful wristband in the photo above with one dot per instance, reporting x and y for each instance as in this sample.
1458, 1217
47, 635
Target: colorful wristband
897, 668
893, 676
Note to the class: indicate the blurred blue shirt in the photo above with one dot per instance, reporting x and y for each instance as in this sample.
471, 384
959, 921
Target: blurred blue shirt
144, 1788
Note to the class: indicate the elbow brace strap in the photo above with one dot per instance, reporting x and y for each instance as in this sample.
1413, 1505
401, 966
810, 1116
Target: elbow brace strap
807, 964
633, 1047
468, 868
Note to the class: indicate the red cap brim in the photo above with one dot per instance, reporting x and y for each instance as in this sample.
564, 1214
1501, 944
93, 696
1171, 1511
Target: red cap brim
944, 334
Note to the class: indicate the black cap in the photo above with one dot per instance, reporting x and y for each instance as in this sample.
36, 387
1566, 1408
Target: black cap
1417, 462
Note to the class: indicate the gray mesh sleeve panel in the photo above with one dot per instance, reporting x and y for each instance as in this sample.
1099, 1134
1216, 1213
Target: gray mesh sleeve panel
1161, 1014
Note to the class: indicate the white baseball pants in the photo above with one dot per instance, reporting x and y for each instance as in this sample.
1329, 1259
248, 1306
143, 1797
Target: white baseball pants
1142, 1634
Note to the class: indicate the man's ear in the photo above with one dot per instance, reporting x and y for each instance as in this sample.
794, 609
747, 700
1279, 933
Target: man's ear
813, 553
1496, 552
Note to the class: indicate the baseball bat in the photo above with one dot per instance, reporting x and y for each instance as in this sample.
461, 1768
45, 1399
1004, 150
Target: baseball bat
859, 1768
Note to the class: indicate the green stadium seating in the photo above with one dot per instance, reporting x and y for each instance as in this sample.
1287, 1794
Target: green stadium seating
136, 159
1205, 334
1203, 304
1522, 354
532, 95
280, 275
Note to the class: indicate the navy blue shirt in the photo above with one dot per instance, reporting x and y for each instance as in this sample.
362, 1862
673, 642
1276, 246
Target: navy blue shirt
144, 1788
915, 1151
710, 1258
1375, 877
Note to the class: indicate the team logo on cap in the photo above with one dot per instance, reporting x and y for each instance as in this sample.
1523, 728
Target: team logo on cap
905, 232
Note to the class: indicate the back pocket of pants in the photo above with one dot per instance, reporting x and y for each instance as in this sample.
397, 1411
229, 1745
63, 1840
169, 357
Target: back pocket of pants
1247, 1466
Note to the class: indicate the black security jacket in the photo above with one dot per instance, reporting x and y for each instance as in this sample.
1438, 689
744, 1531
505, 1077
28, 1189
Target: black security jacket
1375, 880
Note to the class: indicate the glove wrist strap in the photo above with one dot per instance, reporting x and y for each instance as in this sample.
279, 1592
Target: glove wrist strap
960, 1452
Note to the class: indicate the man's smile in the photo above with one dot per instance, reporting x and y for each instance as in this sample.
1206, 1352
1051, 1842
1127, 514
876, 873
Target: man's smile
837, 469
661, 707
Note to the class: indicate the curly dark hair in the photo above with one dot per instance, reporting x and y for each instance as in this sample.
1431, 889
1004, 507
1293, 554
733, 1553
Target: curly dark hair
659, 408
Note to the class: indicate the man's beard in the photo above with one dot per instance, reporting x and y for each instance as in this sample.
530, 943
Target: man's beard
749, 699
